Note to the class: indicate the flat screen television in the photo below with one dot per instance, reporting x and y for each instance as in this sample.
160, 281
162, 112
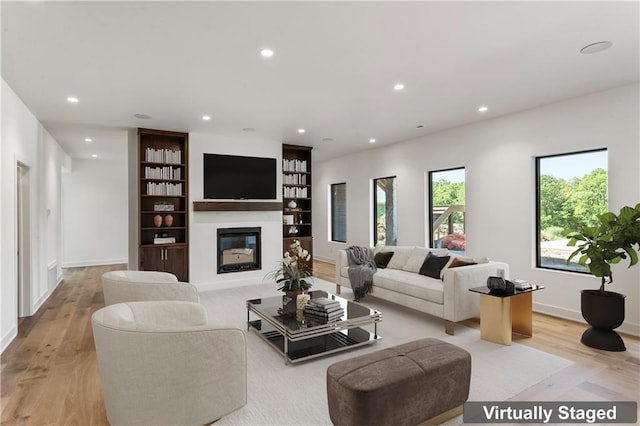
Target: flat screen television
239, 178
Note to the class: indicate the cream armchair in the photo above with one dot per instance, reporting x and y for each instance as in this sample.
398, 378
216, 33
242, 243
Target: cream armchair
161, 363
138, 286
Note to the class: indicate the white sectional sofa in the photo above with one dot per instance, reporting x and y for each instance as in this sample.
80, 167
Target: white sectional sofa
448, 298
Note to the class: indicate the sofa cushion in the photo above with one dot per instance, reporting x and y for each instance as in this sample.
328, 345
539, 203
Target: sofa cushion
400, 256
344, 272
433, 265
418, 255
410, 284
382, 258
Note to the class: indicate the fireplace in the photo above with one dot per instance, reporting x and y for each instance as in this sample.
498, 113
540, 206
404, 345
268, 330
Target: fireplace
238, 249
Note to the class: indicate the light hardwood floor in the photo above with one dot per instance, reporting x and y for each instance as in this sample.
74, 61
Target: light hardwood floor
49, 372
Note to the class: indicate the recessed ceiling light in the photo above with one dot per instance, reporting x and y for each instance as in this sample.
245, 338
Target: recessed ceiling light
142, 116
301, 130
596, 47
267, 53
372, 140
483, 108
398, 86
73, 99
327, 140
88, 140
206, 117
94, 155
419, 126
248, 129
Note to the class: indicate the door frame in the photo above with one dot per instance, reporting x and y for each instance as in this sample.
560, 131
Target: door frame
23, 232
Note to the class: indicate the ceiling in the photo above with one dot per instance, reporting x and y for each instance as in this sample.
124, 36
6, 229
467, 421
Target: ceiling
333, 71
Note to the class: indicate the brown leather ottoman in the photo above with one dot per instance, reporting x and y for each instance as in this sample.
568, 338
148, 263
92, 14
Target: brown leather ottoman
403, 385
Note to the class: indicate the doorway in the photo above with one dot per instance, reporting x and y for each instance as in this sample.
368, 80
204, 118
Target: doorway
23, 239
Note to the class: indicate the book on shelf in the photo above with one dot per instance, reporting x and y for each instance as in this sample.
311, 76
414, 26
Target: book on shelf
164, 188
294, 192
166, 173
294, 165
164, 240
294, 179
287, 219
158, 207
162, 156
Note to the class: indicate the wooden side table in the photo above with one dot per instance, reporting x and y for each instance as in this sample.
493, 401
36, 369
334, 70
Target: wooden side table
502, 314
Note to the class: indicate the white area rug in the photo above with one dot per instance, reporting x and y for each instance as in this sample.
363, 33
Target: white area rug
280, 394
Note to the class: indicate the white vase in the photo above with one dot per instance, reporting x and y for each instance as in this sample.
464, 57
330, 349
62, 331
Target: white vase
292, 204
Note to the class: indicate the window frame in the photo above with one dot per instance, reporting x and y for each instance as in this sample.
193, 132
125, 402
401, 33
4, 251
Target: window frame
332, 212
431, 242
538, 230
374, 209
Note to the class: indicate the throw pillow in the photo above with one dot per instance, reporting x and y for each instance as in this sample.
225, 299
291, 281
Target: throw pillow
400, 257
415, 260
458, 261
382, 258
439, 251
433, 265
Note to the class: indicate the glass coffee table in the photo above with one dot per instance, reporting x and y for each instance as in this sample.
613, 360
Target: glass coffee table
298, 338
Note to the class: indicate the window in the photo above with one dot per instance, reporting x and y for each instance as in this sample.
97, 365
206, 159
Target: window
569, 187
339, 212
385, 214
447, 209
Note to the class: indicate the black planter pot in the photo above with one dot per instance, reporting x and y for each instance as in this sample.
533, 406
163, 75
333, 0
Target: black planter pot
604, 311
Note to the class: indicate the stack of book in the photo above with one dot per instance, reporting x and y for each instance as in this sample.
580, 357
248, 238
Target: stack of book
521, 285
323, 309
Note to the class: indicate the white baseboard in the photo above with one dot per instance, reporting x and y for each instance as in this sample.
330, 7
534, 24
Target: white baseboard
219, 285
555, 311
95, 262
40, 301
44, 297
326, 259
8, 338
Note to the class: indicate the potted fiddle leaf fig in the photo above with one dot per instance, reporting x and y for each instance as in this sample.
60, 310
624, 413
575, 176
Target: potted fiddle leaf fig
614, 239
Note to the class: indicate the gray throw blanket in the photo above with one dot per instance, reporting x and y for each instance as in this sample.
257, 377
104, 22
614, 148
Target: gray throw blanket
361, 270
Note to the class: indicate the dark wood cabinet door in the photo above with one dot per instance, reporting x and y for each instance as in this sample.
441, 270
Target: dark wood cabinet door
176, 262
151, 259
171, 259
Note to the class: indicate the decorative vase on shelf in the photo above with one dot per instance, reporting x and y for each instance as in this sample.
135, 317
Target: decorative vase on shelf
157, 220
292, 204
168, 220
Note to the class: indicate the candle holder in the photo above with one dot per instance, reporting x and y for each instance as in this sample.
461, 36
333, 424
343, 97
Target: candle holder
302, 300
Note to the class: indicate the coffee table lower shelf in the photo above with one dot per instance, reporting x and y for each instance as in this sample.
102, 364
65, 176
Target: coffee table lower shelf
312, 347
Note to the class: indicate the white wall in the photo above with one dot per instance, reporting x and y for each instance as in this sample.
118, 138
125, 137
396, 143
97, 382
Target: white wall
95, 223
499, 156
203, 262
25, 140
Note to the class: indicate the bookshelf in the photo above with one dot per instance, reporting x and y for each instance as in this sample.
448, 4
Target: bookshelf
296, 197
163, 172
